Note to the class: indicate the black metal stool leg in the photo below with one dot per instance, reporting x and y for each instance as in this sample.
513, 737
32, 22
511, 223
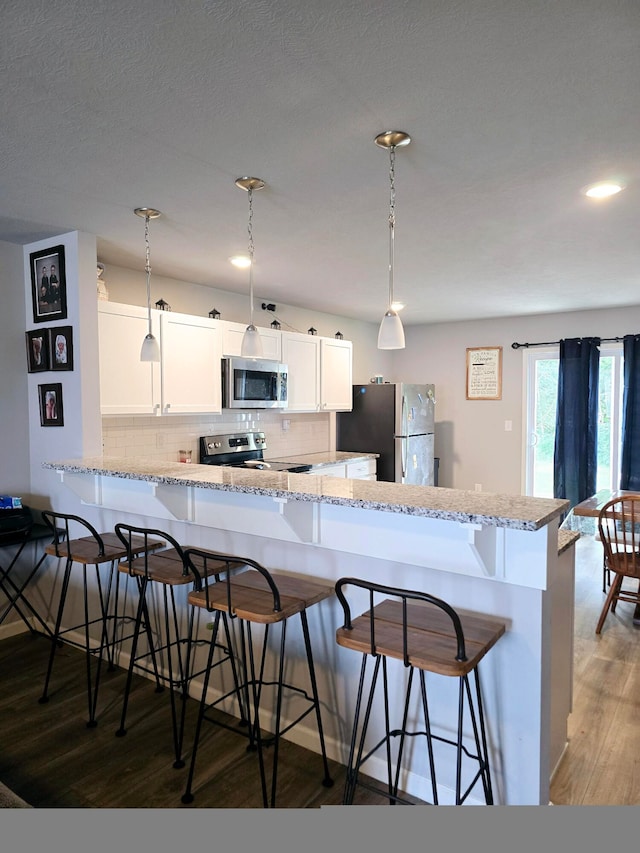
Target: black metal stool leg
56, 631
327, 781
187, 797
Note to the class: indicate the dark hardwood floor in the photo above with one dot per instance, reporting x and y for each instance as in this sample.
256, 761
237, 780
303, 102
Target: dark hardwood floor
50, 758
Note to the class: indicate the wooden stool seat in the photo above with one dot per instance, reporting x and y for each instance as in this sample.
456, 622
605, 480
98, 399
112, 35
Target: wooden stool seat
426, 635
247, 594
250, 597
87, 550
432, 642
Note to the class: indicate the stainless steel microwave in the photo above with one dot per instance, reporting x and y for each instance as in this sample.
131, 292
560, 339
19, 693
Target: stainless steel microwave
254, 383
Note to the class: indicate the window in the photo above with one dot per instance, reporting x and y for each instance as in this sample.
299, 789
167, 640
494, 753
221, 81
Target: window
541, 383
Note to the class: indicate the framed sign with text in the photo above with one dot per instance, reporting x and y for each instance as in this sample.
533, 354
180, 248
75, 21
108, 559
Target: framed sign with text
484, 373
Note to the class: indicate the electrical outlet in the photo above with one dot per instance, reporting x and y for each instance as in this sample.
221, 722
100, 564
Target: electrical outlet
286, 423
508, 426
478, 487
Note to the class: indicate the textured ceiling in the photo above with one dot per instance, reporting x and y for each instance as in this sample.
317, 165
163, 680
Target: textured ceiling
512, 105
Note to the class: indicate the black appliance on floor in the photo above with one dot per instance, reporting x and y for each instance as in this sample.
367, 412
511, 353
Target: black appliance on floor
242, 450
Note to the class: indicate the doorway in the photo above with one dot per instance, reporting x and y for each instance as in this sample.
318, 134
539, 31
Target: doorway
541, 383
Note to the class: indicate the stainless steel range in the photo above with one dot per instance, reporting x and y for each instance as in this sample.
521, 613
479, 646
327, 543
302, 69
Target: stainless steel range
242, 450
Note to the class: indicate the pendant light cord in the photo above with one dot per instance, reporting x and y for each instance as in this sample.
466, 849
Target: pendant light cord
148, 268
250, 231
392, 217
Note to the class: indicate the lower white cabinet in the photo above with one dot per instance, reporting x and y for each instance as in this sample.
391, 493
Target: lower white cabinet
361, 469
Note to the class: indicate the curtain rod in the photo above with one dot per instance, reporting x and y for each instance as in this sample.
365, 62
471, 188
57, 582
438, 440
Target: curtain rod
516, 345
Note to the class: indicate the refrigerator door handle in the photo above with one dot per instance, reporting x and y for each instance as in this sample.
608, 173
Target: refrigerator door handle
404, 426
403, 457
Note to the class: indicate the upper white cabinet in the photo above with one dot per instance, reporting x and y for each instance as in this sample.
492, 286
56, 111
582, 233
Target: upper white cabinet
191, 349
128, 386
336, 358
232, 334
301, 354
320, 372
188, 378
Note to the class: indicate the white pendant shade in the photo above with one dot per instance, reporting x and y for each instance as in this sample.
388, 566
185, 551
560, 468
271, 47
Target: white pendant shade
391, 333
251, 343
150, 349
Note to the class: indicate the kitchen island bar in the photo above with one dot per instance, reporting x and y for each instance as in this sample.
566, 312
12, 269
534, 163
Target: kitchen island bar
494, 554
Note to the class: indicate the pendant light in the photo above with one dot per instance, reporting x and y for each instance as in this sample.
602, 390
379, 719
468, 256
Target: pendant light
150, 348
251, 341
391, 333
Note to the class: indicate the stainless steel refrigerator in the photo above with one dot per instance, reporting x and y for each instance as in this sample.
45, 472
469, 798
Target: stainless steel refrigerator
396, 420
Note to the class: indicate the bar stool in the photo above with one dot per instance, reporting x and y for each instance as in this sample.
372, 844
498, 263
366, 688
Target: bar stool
95, 549
167, 571
18, 530
427, 635
250, 595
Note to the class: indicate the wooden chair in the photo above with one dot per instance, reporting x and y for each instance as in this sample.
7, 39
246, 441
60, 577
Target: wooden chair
168, 653
248, 594
426, 635
619, 531
93, 549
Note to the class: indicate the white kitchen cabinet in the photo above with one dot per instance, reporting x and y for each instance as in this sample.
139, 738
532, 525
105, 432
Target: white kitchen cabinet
232, 334
301, 354
363, 469
336, 358
188, 377
191, 349
128, 386
360, 469
320, 372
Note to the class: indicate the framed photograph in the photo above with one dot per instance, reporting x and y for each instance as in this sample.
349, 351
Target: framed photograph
61, 343
37, 350
48, 285
484, 373
50, 397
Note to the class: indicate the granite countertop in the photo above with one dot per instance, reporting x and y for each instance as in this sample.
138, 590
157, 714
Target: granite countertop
513, 511
322, 460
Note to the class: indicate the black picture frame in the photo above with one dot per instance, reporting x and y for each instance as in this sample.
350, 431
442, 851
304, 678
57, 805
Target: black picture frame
49, 297
38, 350
50, 399
61, 347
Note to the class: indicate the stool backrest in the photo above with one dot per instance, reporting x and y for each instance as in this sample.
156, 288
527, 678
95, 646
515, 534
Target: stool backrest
149, 535
59, 524
619, 531
200, 563
377, 593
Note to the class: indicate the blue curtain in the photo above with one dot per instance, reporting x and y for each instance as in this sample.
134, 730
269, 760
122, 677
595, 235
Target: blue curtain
630, 465
575, 462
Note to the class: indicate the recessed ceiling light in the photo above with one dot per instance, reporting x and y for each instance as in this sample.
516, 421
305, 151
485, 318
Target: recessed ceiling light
603, 189
241, 261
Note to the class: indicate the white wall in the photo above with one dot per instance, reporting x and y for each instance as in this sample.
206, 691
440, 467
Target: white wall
470, 437
14, 449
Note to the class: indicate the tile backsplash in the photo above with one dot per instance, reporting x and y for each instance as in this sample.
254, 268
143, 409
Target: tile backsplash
163, 437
